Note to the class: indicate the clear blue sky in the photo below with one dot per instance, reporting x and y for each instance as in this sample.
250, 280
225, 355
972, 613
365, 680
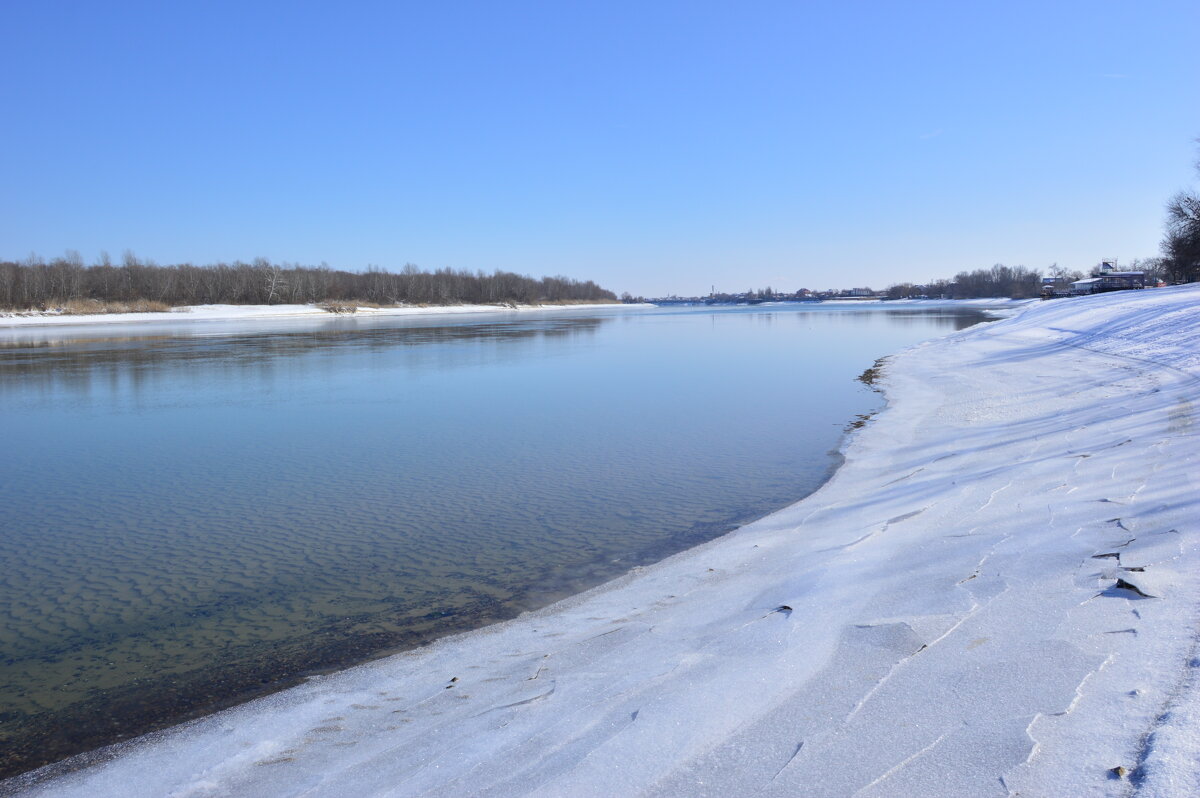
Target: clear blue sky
655, 147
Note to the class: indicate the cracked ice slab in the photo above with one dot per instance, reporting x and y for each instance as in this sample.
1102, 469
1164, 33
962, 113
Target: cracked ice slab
944, 617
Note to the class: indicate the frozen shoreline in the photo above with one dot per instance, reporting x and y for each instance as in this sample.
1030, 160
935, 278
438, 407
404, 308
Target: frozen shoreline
228, 313
253, 312
961, 610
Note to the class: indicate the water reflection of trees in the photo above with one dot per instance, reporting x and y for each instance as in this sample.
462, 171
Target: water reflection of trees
956, 318
77, 364
948, 317
46, 361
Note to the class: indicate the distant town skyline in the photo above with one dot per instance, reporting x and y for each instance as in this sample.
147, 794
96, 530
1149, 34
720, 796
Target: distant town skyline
657, 149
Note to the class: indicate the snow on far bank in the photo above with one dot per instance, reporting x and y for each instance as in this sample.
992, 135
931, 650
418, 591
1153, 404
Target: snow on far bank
246, 312
10, 319
997, 594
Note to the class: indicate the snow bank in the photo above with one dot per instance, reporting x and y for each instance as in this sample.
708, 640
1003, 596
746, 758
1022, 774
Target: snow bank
997, 594
244, 312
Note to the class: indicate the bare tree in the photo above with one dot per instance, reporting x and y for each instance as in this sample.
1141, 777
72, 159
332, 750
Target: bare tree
1181, 244
274, 283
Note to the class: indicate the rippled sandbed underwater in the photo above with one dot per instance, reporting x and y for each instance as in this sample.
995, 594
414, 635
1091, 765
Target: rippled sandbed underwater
194, 515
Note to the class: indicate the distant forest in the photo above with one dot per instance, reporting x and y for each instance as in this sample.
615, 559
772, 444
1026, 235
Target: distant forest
999, 281
37, 284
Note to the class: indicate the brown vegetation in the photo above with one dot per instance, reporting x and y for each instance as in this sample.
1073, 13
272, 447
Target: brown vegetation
37, 284
77, 307
874, 373
333, 306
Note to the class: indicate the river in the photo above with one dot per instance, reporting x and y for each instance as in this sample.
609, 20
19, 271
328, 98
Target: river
194, 513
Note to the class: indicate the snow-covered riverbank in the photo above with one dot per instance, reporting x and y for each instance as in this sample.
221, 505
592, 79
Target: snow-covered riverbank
230, 313
254, 312
998, 593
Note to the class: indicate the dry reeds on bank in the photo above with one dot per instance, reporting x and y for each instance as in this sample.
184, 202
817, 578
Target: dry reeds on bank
81, 307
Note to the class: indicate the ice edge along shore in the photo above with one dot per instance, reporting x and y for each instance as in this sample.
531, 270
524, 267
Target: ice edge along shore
996, 594
232, 313
196, 313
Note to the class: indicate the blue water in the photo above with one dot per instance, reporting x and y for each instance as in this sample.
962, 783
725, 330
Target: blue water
191, 513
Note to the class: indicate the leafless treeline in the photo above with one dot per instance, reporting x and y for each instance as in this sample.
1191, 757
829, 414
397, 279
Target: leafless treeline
40, 284
999, 281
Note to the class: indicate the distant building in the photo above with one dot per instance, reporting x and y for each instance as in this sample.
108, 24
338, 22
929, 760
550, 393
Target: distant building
1109, 280
1055, 287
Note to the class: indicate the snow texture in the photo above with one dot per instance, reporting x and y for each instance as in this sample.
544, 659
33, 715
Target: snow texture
997, 594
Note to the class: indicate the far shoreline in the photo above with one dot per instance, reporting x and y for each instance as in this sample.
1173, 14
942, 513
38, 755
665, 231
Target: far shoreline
190, 313
13, 320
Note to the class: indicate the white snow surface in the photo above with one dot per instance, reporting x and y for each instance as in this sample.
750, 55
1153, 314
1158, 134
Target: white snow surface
248, 312
998, 593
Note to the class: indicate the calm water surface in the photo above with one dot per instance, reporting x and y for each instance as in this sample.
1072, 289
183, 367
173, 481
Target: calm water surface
194, 513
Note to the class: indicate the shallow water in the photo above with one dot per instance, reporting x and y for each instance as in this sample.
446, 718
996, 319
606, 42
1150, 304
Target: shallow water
191, 514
